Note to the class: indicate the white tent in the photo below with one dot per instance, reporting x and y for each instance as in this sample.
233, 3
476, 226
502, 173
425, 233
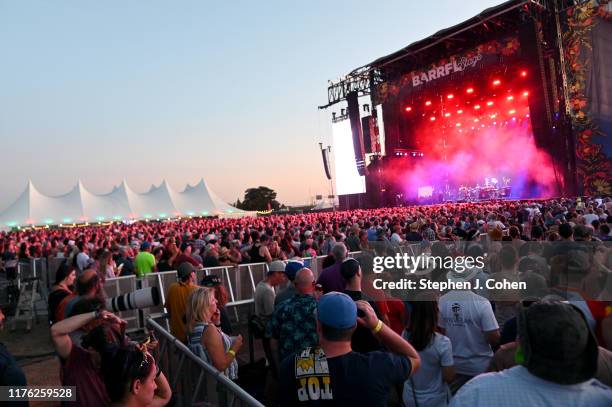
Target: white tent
122, 203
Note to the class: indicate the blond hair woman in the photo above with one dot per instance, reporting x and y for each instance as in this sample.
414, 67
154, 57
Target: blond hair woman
205, 339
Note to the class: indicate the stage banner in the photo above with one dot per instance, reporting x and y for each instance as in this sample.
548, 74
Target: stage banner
587, 44
486, 54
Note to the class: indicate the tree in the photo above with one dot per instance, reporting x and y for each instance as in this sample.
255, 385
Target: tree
259, 199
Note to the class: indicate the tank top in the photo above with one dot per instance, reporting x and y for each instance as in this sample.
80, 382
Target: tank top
194, 342
255, 256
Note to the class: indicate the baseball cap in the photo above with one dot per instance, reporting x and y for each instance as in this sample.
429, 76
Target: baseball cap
557, 342
276, 266
349, 268
292, 267
184, 270
211, 280
337, 310
145, 245
308, 233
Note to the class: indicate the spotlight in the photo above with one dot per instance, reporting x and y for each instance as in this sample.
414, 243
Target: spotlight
477, 107
490, 103
512, 111
496, 82
527, 115
523, 73
432, 118
493, 116
510, 97
446, 114
476, 120
470, 90
459, 111
458, 124
525, 93
408, 109
450, 96
428, 103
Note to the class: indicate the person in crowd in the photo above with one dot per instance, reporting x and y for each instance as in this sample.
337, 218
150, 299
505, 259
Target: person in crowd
506, 300
176, 299
80, 365
88, 286
125, 262
107, 267
82, 261
469, 322
333, 373
352, 241
264, 292
428, 387
185, 256
133, 379
362, 340
205, 339
291, 269
213, 281
330, 278
293, 323
554, 369
259, 253
145, 261
10, 373
65, 277
413, 235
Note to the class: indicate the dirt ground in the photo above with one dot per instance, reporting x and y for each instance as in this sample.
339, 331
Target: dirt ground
34, 354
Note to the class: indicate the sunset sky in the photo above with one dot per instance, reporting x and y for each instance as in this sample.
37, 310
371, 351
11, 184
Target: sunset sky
146, 90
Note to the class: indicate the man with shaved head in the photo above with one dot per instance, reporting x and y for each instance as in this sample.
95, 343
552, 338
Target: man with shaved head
293, 325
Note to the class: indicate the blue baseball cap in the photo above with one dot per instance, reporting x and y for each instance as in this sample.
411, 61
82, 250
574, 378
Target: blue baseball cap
145, 245
292, 268
337, 310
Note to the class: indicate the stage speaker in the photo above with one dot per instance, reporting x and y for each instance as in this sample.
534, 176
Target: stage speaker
367, 134
357, 132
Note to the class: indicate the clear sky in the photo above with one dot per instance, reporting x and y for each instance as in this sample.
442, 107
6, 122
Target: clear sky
146, 90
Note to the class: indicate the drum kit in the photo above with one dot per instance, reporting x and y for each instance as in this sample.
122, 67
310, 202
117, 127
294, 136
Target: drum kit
492, 189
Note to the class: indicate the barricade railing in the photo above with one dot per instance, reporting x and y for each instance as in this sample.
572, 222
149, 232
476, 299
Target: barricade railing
193, 381
240, 282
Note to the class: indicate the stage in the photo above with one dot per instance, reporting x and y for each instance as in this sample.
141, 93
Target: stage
475, 112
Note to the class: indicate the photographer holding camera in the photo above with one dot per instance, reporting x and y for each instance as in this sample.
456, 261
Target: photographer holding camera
333, 372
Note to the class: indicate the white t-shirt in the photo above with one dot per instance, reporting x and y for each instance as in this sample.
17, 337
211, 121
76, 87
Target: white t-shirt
396, 239
264, 300
590, 217
466, 317
431, 390
517, 387
82, 261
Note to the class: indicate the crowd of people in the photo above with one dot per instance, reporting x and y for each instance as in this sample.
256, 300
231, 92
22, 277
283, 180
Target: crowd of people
332, 338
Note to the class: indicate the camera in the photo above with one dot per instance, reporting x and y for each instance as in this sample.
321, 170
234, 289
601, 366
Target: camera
143, 298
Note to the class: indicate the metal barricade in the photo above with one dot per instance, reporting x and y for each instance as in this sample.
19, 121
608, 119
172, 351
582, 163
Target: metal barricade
162, 280
193, 381
114, 287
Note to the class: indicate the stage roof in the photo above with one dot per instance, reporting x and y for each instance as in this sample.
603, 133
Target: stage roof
450, 32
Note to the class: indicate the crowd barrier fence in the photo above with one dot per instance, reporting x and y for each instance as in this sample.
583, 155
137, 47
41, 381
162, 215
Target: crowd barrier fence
193, 381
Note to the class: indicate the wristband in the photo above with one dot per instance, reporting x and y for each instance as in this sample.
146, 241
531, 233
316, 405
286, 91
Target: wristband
231, 352
378, 327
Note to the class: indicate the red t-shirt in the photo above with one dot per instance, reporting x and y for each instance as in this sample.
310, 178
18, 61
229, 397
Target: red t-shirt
79, 371
182, 258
